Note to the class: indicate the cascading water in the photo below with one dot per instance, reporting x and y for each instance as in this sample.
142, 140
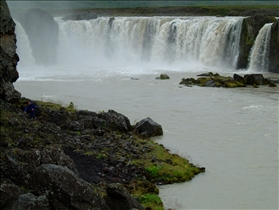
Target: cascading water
131, 45
259, 56
133, 40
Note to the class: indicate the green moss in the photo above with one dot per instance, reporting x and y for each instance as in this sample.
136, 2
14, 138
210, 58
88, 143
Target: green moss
151, 201
167, 167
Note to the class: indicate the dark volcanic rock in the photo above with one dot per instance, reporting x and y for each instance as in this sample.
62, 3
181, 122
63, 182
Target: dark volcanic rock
250, 29
256, 79
239, 78
119, 198
31, 202
274, 48
9, 58
148, 128
68, 191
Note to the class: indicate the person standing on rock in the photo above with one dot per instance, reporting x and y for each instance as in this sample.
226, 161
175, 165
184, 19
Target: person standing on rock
31, 109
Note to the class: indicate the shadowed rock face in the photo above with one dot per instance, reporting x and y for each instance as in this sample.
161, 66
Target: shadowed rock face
250, 29
9, 58
274, 48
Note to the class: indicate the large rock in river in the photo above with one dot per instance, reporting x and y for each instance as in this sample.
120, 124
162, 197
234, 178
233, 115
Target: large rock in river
9, 57
148, 128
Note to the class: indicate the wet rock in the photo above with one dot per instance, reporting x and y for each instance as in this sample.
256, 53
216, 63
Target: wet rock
210, 83
255, 79
163, 77
148, 128
239, 78
187, 81
272, 85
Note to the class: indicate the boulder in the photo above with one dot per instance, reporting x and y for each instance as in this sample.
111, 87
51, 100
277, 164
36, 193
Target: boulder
255, 79
119, 198
163, 76
9, 57
64, 189
115, 120
148, 128
9, 193
32, 158
239, 78
187, 81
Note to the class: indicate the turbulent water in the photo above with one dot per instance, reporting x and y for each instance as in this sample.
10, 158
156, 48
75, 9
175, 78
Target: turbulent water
112, 64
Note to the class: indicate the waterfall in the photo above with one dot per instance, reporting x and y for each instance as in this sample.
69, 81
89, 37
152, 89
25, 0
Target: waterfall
135, 45
259, 56
24, 50
152, 40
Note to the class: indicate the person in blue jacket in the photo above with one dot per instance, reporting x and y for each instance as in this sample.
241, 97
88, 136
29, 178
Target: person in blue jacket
31, 109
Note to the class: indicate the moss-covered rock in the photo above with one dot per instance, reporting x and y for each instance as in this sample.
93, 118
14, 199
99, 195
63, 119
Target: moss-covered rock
216, 80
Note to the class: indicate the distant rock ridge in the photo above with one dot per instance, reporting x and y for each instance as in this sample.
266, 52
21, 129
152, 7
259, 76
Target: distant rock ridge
9, 57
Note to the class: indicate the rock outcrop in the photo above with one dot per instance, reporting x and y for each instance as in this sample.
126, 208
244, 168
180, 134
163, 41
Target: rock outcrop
274, 48
250, 29
216, 80
9, 57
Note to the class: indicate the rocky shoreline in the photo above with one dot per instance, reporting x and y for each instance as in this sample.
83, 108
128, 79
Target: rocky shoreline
51, 160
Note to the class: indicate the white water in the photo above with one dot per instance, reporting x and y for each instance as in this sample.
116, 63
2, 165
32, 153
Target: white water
135, 45
233, 133
260, 51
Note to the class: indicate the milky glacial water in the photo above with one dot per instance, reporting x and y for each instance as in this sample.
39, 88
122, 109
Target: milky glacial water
233, 133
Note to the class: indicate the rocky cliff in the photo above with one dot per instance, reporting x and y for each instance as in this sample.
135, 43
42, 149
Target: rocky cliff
250, 29
274, 48
9, 58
